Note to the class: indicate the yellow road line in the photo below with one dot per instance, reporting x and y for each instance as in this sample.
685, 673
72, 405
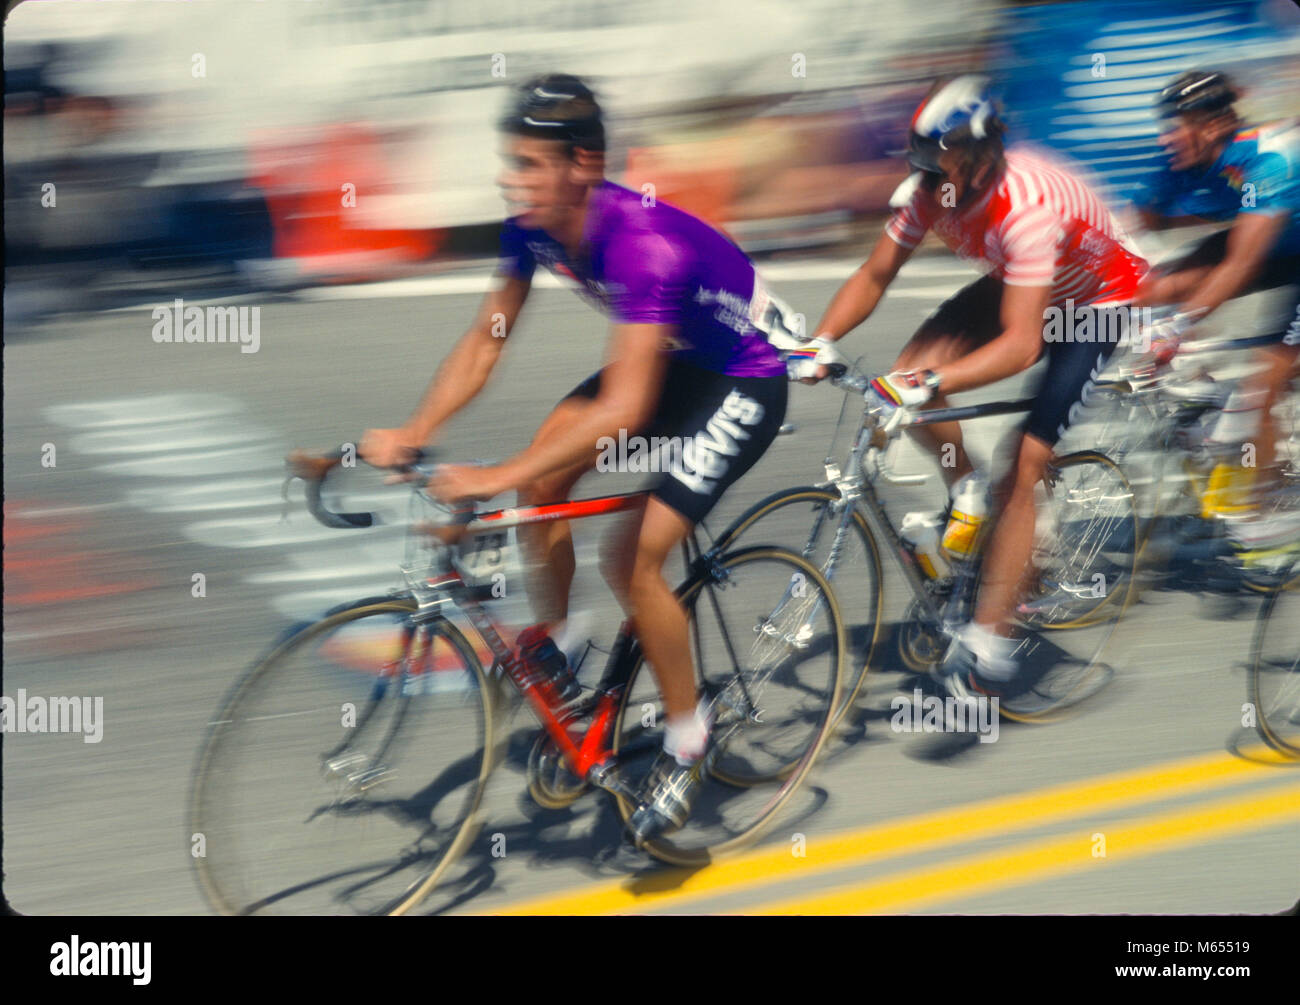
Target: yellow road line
940, 828
1037, 861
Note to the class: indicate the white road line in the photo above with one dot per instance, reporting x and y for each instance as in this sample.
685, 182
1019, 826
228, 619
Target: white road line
369, 571
53, 511
199, 464
168, 437
477, 283
142, 410
268, 532
232, 493
935, 293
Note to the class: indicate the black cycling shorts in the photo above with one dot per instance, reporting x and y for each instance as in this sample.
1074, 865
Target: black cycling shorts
1279, 316
1072, 372
974, 315
707, 431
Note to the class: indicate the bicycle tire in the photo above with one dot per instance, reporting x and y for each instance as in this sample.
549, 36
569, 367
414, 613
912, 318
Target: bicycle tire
1141, 443
863, 637
790, 768
1120, 535
1073, 677
1275, 682
355, 637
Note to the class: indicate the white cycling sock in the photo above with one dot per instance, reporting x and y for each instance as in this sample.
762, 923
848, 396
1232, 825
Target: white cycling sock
993, 651
687, 736
572, 635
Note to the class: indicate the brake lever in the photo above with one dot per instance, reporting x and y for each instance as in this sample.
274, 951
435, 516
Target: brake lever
885, 463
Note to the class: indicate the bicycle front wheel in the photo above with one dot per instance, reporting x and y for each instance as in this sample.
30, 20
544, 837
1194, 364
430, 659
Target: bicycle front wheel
807, 520
1275, 669
768, 644
343, 772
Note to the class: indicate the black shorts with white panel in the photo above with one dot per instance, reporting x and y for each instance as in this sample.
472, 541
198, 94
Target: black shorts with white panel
707, 431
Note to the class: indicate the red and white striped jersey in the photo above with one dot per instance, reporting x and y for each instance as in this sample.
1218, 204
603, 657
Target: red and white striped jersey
1039, 225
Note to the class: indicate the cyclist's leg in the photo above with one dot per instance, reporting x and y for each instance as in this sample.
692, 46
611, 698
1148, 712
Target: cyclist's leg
1271, 382
1012, 541
1072, 367
963, 323
717, 428
548, 546
657, 616
1280, 319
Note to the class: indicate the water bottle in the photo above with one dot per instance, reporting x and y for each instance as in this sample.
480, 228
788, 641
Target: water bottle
920, 531
971, 501
1239, 419
1228, 490
1230, 484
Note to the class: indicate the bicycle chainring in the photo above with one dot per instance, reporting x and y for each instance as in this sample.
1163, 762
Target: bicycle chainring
550, 782
921, 646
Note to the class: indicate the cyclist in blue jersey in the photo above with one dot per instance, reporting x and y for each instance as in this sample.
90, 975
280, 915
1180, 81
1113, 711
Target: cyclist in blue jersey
1221, 171
691, 359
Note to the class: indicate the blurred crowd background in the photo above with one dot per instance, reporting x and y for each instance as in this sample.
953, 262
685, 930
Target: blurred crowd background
241, 145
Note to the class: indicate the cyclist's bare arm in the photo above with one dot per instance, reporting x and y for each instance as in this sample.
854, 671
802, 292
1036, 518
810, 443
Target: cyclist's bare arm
459, 378
630, 387
858, 297
1017, 348
1250, 240
1151, 220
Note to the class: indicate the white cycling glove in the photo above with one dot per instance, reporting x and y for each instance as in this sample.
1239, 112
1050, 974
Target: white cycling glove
802, 363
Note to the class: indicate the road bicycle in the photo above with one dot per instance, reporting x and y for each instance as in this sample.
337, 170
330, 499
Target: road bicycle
1084, 558
1275, 664
1156, 423
345, 770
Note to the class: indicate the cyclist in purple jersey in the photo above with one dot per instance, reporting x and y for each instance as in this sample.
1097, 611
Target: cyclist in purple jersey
648, 263
691, 360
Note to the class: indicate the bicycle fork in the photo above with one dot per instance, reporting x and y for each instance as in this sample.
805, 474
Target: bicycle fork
360, 772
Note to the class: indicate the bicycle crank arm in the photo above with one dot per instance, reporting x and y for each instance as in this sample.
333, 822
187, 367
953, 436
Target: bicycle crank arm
345, 765
368, 779
606, 775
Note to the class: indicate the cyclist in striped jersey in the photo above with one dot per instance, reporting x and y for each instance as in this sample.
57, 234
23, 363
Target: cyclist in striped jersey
1056, 260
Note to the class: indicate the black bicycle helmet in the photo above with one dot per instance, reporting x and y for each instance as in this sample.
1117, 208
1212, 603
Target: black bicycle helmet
1197, 91
556, 106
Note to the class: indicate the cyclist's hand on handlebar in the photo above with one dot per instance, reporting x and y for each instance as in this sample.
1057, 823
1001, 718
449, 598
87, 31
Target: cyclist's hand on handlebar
902, 389
456, 483
1165, 336
895, 393
814, 361
389, 448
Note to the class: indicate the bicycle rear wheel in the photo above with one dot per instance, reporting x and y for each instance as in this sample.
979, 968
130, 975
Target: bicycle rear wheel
343, 772
1084, 562
1275, 669
1086, 544
768, 643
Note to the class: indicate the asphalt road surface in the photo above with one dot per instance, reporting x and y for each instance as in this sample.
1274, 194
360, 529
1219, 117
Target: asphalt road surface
132, 467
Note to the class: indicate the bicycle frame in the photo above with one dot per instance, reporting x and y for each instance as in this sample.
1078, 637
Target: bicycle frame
857, 489
591, 749
1147, 398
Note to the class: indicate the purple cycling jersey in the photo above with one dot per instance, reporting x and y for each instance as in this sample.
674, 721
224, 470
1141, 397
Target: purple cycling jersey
659, 265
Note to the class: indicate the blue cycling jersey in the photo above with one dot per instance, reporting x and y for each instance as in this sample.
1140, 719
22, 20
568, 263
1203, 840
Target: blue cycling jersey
1258, 172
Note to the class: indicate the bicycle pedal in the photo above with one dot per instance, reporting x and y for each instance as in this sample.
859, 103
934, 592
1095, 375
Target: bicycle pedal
799, 640
345, 764
364, 780
607, 777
